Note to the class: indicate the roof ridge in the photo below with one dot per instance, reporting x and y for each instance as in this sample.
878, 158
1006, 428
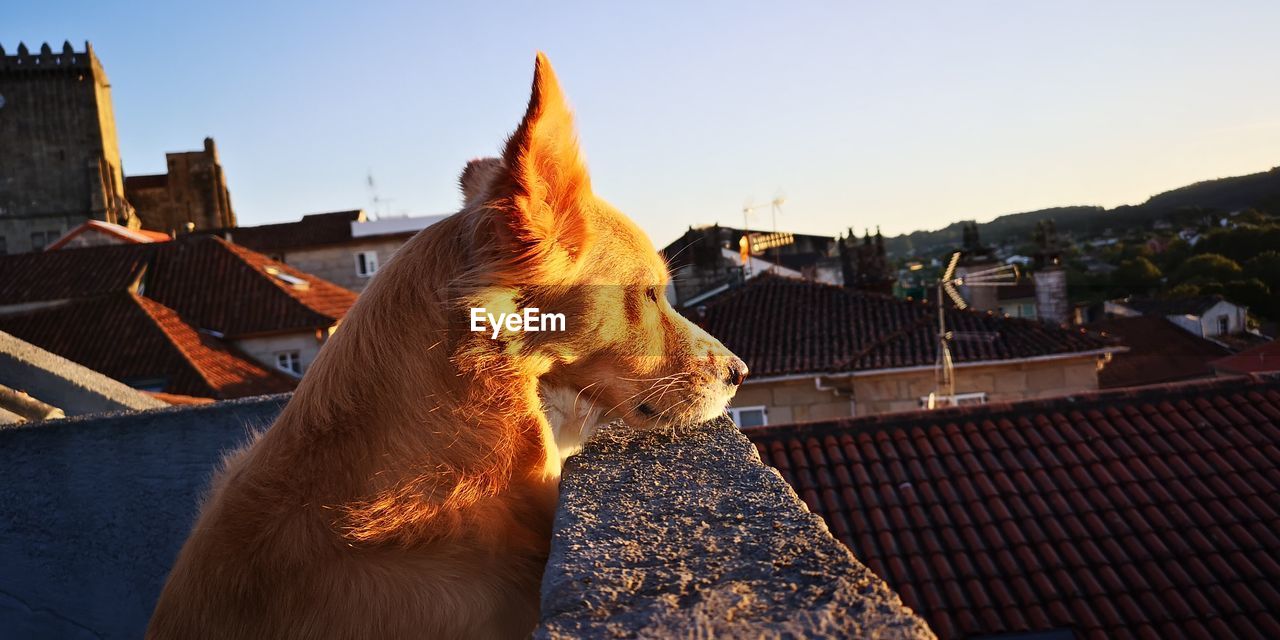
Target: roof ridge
1084, 400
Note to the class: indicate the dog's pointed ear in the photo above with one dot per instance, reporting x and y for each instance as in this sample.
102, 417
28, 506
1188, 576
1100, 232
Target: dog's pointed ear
548, 182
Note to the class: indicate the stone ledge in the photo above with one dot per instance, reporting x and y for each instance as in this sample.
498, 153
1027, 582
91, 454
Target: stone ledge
692, 536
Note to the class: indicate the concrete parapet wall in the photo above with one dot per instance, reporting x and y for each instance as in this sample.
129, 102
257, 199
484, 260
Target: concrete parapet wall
692, 536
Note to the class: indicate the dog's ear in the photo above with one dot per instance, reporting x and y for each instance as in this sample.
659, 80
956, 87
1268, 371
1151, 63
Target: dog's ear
547, 180
476, 177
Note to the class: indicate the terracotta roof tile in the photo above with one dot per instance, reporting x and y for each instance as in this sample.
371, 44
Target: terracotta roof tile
783, 326
213, 284
1142, 513
139, 341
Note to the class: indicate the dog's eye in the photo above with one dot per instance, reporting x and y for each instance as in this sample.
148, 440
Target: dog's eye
652, 294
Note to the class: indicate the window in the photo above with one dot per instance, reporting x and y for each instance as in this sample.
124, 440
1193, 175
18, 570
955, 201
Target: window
42, 239
289, 362
749, 416
958, 400
1224, 324
366, 263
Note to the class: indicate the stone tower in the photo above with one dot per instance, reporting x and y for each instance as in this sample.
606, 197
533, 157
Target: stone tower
192, 195
59, 159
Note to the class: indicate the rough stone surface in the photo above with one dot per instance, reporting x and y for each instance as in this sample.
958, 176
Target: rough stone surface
689, 535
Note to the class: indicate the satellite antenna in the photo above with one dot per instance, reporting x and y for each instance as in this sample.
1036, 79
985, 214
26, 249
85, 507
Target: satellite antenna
1005, 275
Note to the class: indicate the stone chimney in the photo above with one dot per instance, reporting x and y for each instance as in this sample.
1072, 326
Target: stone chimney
1052, 305
976, 257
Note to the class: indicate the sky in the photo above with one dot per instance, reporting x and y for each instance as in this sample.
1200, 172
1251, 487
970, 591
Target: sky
902, 115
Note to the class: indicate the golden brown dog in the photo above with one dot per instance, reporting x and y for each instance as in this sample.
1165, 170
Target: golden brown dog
407, 490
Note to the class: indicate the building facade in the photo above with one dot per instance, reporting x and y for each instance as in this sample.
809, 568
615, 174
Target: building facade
60, 164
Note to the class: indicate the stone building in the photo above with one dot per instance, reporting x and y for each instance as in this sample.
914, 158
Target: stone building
191, 195
59, 158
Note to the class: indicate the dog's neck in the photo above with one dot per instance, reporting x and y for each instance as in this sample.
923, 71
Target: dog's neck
404, 438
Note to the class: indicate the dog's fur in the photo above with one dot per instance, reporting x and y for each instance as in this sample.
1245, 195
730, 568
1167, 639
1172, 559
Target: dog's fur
407, 489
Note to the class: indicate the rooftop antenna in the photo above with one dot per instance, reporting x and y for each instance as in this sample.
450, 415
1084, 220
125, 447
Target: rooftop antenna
374, 201
1005, 275
775, 207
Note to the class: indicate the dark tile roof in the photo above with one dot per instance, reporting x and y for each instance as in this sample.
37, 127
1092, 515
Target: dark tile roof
1159, 351
1264, 358
136, 340
787, 326
213, 284
1151, 512
312, 230
71, 273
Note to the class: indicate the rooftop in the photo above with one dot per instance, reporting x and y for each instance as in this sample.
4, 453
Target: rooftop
312, 230
321, 229
143, 343
1159, 351
211, 283
1264, 358
1147, 512
782, 326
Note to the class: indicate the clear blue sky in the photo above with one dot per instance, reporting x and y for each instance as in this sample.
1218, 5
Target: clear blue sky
871, 113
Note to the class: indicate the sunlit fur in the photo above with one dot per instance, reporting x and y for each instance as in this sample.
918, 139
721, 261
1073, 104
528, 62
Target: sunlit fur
407, 489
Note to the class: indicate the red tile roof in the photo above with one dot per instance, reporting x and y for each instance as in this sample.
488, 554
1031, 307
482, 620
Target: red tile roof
1159, 351
1149, 512
137, 341
1264, 358
785, 326
213, 284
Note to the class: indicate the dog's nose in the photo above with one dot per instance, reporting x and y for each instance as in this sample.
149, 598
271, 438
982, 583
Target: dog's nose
737, 371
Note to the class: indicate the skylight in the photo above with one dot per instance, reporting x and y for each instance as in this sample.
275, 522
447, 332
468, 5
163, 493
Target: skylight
293, 281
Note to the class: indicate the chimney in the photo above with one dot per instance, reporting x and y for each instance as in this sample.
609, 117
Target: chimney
1052, 305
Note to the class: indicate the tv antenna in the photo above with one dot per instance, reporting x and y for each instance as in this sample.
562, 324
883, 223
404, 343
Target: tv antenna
1005, 275
376, 202
775, 207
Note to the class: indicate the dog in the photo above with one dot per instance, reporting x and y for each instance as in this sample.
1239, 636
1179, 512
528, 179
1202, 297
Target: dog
407, 489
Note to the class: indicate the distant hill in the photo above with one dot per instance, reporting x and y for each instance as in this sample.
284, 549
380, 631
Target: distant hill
1256, 190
